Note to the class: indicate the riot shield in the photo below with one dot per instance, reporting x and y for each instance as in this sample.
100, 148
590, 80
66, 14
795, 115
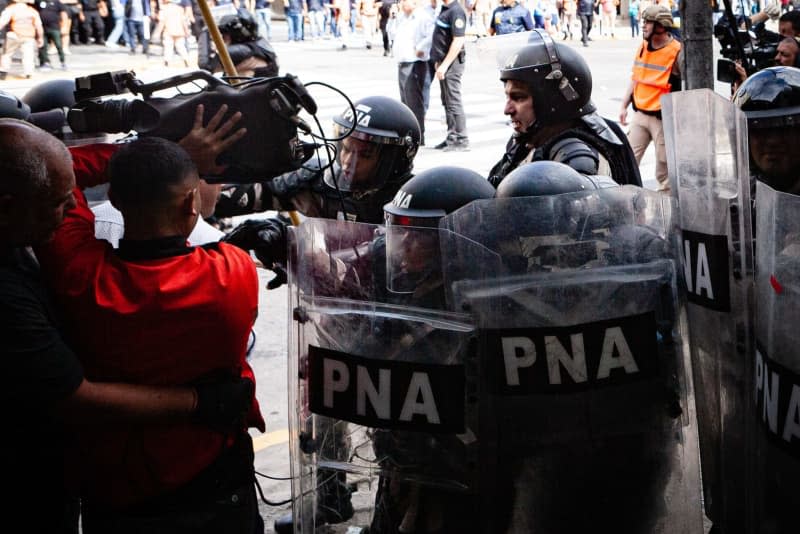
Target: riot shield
777, 363
708, 165
584, 393
383, 430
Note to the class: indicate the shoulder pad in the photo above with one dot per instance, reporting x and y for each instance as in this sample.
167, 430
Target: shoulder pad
575, 153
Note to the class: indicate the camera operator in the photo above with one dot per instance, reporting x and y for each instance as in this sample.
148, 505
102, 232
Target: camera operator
250, 53
787, 55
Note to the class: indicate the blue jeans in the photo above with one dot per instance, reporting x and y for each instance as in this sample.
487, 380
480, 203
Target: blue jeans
295, 20
265, 21
136, 31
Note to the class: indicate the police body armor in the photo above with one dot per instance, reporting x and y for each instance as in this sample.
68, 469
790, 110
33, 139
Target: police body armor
707, 152
580, 147
585, 403
308, 191
777, 364
383, 392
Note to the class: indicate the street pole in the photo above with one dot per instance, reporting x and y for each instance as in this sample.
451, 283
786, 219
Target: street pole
697, 37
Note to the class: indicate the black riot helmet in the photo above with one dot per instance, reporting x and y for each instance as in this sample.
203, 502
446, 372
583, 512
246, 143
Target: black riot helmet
50, 95
434, 193
241, 27
385, 140
771, 98
543, 178
412, 220
12, 107
557, 77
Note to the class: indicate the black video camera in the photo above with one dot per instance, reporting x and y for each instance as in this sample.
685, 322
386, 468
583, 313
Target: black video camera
755, 48
269, 107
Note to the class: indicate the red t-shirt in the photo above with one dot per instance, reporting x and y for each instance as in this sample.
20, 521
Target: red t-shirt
169, 314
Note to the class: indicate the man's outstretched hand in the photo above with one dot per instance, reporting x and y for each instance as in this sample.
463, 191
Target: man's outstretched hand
205, 143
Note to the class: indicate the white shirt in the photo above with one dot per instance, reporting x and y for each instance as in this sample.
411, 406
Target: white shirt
109, 225
413, 34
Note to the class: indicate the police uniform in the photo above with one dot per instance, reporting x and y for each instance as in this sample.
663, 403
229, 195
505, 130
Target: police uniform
451, 23
511, 19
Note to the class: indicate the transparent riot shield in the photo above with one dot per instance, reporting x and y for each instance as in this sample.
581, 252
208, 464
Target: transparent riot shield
777, 365
708, 165
584, 392
383, 430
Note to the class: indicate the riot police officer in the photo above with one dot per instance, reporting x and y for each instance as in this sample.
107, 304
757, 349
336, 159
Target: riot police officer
250, 53
770, 100
372, 162
548, 90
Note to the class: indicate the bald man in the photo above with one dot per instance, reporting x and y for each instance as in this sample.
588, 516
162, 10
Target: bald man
46, 393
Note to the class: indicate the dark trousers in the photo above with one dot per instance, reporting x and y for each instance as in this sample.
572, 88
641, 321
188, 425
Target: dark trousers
93, 22
586, 27
52, 35
412, 77
220, 500
450, 89
136, 31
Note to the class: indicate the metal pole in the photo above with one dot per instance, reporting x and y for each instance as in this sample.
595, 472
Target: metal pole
227, 63
697, 39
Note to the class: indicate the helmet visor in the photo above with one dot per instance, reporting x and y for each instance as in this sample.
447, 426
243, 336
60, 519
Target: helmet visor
360, 163
412, 251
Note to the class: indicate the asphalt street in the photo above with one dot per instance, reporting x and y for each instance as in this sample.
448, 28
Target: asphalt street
357, 72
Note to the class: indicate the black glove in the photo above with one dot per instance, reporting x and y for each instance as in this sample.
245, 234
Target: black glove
224, 405
266, 238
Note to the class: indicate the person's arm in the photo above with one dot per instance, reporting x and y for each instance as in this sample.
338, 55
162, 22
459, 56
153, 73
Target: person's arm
37, 25
627, 99
527, 21
452, 54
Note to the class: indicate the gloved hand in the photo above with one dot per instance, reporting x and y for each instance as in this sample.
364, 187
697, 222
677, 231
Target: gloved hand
224, 405
266, 238
773, 10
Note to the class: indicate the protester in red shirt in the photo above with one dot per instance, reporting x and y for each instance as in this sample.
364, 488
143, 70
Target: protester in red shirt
46, 392
156, 311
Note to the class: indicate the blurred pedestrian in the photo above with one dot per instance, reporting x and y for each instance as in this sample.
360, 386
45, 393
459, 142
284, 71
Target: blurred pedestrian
176, 30
92, 21
25, 33
586, 15
412, 51
53, 15
510, 17
137, 20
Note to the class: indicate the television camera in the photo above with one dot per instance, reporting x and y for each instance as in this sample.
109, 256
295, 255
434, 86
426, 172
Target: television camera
269, 106
753, 45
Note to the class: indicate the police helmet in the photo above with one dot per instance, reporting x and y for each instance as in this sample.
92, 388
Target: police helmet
12, 107
658, 14
412, 218
557, 77
393, 128
50, 95
432, 194
543, 178
771, 98
241, 27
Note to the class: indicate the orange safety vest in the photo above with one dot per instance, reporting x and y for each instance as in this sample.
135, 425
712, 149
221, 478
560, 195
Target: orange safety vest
651, 70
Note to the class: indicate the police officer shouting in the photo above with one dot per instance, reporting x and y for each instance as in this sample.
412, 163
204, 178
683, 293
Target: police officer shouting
548, 90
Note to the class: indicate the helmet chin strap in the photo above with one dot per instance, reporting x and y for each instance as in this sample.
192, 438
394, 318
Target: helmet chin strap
564, 86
